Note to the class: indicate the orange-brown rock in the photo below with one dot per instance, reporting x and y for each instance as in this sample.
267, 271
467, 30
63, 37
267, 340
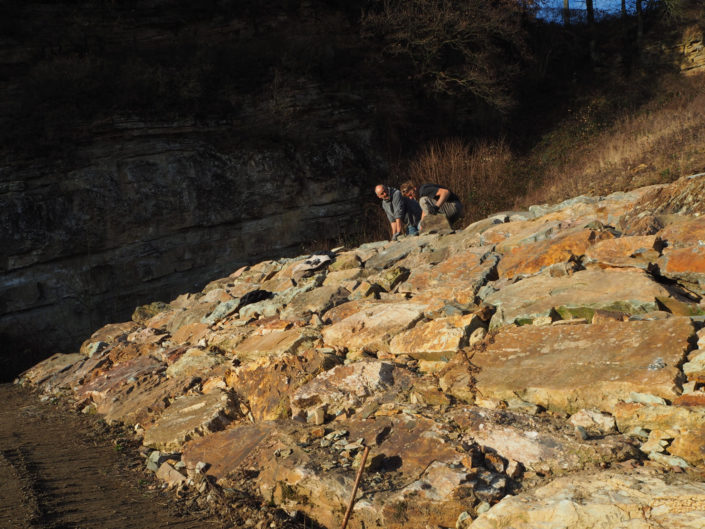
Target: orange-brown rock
275, 343
191, 333
688, 232
578, 296
584, 366
434, 339
530, 259
636, 251
372, 328
266, 383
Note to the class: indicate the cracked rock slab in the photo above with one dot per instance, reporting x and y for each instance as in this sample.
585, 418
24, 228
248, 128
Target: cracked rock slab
585, 366
188, 417
608, 500
630, 291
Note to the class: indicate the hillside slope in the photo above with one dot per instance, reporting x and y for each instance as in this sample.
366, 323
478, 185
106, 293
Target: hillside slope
539, 366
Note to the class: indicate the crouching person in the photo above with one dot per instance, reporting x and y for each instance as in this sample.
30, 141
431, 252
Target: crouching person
399, 210
434, 199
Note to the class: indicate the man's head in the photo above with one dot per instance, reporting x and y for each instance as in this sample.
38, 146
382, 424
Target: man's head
409, 190
382, 192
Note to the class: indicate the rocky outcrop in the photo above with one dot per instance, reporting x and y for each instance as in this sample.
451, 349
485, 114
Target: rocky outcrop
539, 368
135, 205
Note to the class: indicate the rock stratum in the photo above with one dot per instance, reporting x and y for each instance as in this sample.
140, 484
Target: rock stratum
538, 368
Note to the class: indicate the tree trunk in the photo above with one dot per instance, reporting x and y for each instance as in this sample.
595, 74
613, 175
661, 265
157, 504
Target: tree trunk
566, 12
624, 8
591, 12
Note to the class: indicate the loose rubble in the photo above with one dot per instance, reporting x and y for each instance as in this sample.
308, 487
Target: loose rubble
544, 367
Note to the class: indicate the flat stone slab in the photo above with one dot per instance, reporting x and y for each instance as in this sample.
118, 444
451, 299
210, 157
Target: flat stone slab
685, 265
633, 251
265, 384
537, 444
433, 338
630, 291
689, 232
530, 259
585, 366
606, 500
188, 417
316, 301
225, 451
50, 367
274, 343
372, 328
456, 278
348, 386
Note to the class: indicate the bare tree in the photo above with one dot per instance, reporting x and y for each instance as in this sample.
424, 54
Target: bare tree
455, 46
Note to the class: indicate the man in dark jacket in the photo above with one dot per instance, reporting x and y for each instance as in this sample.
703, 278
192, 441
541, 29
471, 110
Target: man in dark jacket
399, 210
434, 199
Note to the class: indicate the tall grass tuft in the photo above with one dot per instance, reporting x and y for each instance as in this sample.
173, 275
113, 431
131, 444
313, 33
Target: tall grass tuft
480, 174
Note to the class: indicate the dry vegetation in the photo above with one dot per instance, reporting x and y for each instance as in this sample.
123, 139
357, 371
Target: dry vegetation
662, 141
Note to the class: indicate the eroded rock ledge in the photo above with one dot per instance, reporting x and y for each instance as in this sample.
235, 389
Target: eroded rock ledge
541, 367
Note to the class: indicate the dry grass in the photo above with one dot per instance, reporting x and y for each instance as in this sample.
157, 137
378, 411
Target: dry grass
480, 175
659, 143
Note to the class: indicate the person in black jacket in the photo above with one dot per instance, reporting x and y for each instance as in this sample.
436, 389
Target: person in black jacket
434, 199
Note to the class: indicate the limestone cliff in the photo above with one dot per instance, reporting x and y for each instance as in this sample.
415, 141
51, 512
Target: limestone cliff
538, 368
124, 180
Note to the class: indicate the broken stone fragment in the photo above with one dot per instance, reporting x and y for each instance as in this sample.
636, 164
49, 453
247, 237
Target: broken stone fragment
191, 416
608, 499
373, 328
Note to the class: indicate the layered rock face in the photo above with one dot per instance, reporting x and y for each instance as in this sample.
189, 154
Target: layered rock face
134, 206
539, 368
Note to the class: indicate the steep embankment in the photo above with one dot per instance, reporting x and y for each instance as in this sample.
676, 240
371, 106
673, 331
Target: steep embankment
147, 149
538, 367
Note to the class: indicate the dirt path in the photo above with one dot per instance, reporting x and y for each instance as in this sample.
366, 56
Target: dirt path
58, 470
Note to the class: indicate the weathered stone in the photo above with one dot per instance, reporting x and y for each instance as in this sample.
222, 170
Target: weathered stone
626, 290
538, 445
584, 366
266, 383
594, 420
108, 334
169, 475
194, 362
342, 277
434, 224
532, 258
188, 417
686, 232
228, 338
275, 343
190, 334
345, 261
685, 265
457, 278
145, 312
347, 387
637, 251
372, 328
690, 446
609, 500
225, 451
142, 401
458, 380
694, 368
435, 339
316, 301
50, 367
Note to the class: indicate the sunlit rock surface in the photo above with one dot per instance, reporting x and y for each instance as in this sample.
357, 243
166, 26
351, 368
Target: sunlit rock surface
540, 368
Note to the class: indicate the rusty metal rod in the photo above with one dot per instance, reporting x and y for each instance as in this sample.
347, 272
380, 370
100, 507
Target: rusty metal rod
357, 483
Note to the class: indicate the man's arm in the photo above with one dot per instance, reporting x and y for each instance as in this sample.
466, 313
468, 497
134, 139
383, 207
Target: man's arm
442, 195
